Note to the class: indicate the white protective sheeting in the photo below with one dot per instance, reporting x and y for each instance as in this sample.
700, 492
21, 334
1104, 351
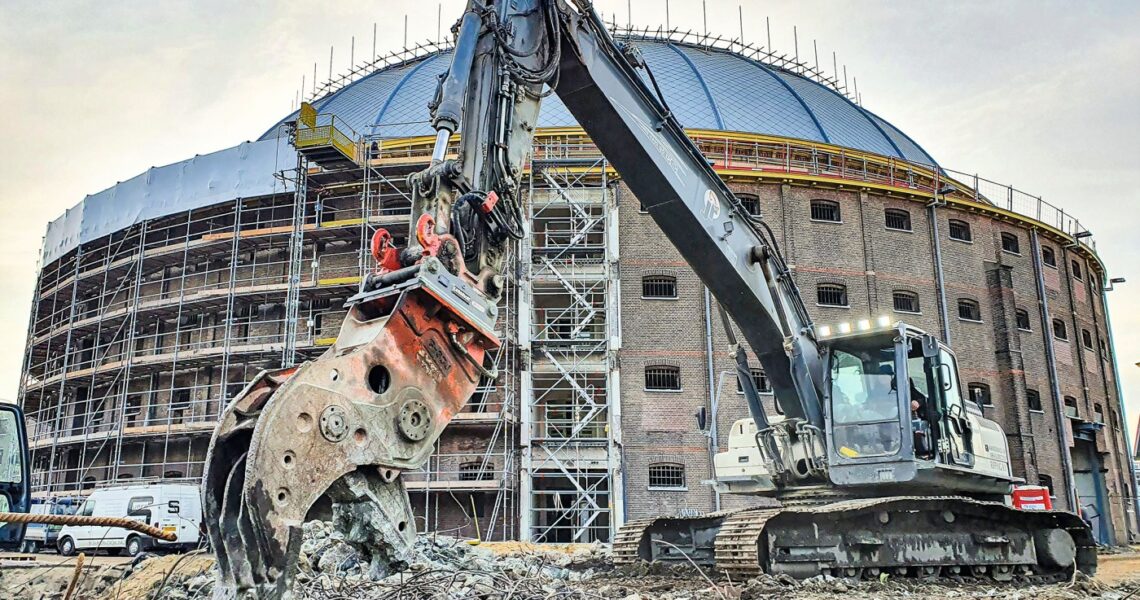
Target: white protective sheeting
244, 171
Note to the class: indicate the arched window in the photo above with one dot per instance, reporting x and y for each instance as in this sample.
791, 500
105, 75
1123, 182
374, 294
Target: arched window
1071, 408
831, 294
1010, 243
658, 287
960, 230
1023, 320
662, 378
1046, 482
1048, 256
759, 380
898, 219
969, 310
474, 471
1059, 330
667, 476
1086, 338
980, 394
1033, 398
825, 210
905, 301
1076, 269
751, 203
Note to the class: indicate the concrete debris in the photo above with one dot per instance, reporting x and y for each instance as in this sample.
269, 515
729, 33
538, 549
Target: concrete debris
445, 567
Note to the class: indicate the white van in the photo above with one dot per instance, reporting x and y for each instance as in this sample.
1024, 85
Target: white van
170, 507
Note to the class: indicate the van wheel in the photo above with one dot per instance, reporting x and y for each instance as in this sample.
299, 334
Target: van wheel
66, 546
134, 546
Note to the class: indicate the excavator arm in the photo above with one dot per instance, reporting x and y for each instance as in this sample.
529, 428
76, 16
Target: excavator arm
330, 438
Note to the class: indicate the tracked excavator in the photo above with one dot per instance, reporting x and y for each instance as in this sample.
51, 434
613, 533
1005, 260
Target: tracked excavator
877, 465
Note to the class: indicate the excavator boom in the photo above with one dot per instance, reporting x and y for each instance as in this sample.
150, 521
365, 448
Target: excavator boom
330, 438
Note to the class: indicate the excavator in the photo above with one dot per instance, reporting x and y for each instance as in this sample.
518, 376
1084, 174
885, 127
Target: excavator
877, 465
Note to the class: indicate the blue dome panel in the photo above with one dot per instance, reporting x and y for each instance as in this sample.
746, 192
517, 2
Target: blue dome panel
751, 98
554, 113
844, 123
910, 149
706, 88
405, 112
680, 85
356, 104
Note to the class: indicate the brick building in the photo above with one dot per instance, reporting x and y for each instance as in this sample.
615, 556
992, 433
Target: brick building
158, 298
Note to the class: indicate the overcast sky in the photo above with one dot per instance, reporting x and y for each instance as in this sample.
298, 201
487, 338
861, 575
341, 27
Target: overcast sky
1042, 95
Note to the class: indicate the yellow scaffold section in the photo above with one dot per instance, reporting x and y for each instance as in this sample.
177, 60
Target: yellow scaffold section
318, 134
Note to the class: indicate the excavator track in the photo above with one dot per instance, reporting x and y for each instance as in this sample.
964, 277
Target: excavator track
923, 537
738, 543
672, 538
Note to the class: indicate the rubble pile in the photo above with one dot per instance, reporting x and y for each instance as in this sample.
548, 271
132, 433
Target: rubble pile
445, 567
441, 567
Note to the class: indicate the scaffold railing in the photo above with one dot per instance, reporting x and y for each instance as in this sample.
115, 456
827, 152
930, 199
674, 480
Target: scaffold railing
739, 153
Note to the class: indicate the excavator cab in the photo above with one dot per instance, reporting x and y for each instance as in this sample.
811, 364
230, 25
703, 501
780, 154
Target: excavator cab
896, 415
15, 480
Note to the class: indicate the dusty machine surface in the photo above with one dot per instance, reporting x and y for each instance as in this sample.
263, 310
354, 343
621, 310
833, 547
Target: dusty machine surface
879, 464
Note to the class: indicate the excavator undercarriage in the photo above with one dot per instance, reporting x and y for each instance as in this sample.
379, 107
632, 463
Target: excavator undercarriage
923, 537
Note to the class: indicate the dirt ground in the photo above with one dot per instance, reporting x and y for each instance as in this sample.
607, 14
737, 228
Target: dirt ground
179, 577
1113, 569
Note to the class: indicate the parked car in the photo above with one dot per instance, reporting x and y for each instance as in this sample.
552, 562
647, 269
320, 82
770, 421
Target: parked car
38, 536
170, 507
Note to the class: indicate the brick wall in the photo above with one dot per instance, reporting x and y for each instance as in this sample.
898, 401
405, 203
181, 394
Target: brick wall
872, 261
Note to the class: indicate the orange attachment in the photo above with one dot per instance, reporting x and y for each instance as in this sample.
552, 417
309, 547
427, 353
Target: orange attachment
384, 251
425, 233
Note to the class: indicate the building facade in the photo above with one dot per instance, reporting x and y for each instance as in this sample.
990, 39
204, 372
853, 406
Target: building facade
159, 298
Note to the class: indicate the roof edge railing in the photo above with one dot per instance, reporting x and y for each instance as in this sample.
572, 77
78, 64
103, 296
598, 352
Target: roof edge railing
744, 152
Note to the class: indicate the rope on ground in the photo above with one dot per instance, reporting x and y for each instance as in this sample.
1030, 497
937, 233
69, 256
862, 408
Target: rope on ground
125, 523
74, 576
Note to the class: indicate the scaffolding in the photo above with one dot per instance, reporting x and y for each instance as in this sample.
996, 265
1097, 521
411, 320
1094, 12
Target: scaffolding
570, 421
137, 341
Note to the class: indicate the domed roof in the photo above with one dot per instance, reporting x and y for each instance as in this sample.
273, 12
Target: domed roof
707, 88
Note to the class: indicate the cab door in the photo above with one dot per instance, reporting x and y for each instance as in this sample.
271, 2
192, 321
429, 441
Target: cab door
957, 437
15, 480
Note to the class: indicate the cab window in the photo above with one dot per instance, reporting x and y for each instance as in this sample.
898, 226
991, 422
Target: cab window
11, 454
864, 399
87, 509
